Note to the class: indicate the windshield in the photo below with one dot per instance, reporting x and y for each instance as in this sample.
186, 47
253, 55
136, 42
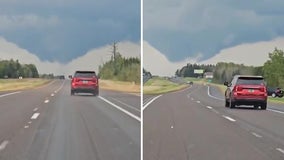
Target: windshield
250, 81
85, 74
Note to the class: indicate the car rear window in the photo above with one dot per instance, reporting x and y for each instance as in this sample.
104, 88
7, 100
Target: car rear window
251, 81
85, 74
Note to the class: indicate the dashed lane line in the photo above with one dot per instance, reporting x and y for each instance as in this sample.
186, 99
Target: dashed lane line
3, 145
121, 109
35, 115
46, 101
229, 118
256, 135
280, 150
209, 107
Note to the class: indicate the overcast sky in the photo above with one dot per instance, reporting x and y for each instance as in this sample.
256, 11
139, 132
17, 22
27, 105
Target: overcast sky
202, 28
61, 30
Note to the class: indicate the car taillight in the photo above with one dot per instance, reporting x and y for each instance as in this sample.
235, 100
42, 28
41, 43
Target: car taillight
238, 88
262, 89
94, 80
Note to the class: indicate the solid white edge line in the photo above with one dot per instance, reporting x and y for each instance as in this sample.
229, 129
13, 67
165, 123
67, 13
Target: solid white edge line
208, 92
3, 145
8, 94
127, 105
229, 118
275, 111
119, 108
280, 150
35, 115
60, 87
256, 135
151, 101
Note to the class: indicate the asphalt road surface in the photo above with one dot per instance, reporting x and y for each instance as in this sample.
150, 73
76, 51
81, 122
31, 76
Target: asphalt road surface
48, 123
193, 124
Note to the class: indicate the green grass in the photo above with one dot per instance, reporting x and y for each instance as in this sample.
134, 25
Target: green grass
159, 85
276, 100
18, 84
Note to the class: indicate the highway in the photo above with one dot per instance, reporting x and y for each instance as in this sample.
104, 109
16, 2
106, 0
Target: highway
47, 123
193, 124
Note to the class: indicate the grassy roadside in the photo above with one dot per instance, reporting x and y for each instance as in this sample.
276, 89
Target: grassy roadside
19, 84
159, 85
119, 86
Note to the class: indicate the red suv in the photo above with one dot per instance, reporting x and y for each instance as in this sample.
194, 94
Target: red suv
85, 82
246, 90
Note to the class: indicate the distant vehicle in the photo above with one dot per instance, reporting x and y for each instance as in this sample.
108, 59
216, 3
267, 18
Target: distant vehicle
189, 82
275, 92
85, 82
246, 90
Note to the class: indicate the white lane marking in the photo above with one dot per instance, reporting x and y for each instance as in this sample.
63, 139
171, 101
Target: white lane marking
127, 105
35, 109
52, 95
146, 105
35, 115
46, 101
119, 108
8, 94
30, 122
256, 135
3, 145
172, 127
275, 111
209, 107
229, 118
280, 150
208, 92
197, 101
46, 85
60, 87
214, 110
26, 127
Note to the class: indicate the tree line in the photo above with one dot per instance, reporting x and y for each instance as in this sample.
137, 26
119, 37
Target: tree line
188, 70
121, 68
13, 69
272, 70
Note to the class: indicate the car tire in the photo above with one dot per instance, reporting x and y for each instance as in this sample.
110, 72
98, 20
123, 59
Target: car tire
273, 95
232, 104
227, 103
72, 93
96, 93
264, 106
